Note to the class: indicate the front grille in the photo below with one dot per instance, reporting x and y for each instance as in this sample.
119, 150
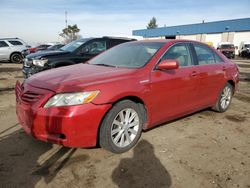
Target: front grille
18, 91
26, 96
30, 97
227, 52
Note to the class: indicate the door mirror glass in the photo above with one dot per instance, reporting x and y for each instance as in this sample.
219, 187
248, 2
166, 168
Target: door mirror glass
168, 64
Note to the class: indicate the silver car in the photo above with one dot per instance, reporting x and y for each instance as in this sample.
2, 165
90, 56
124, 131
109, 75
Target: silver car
11, 48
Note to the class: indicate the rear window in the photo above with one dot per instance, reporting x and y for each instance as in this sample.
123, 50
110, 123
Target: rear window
3, 44
15, 42
204, 54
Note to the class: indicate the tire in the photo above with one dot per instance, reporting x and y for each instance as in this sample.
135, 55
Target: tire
16, 58
119, 120
225, 98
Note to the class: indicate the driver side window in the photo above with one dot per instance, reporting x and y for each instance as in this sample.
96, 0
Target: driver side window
95, 47
179, 52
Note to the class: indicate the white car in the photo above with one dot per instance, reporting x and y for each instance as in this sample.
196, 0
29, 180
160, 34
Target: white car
11, 48
244, 49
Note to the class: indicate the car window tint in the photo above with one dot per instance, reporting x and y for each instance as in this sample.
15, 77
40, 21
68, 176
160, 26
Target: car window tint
218, 58
95, 47
3, 44
179, 52
15, 42
204, 55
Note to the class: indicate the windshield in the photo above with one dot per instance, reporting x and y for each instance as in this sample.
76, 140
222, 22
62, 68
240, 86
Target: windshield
227, 46
130, 54
73, 45
247, 45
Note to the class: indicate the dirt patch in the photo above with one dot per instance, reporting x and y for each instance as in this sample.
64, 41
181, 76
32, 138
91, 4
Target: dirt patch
242, 97
9, 69
6, 89
235, 118
243, 65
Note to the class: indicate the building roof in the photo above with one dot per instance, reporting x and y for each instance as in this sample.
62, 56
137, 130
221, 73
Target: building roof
200, 28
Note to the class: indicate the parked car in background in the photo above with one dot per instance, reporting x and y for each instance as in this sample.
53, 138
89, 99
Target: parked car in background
244, 49
11, 48
227, 49
50, 48
54, 47
78, 51
133, 86
39, 48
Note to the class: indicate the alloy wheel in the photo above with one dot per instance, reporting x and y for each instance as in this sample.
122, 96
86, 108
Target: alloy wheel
125, 127
226, 97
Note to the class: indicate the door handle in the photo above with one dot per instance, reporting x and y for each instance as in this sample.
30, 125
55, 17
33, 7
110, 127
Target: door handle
224, 68
194, 73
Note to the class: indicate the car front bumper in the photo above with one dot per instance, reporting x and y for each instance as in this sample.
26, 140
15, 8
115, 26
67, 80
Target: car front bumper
29, 71
229, 54
72, 126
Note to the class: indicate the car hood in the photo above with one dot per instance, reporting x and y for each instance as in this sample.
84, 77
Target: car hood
41, 54
77, 77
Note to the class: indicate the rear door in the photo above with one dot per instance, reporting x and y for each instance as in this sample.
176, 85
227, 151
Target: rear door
211, 73
175, 91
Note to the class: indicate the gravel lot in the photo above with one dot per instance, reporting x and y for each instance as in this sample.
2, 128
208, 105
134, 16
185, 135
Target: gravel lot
205, 149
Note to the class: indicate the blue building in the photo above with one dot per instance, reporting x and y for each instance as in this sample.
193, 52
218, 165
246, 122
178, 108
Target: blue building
233, 31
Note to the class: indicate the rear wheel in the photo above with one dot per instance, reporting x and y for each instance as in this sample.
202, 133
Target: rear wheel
121, 127
225, 98
16, 58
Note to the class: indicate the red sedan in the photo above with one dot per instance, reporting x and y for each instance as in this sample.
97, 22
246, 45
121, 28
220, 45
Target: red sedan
129, 88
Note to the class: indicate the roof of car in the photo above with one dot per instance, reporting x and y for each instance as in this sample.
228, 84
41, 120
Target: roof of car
168, 40
10, 39
106, 37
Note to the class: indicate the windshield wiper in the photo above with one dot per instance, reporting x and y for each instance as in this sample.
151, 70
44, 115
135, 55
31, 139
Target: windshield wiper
106, 65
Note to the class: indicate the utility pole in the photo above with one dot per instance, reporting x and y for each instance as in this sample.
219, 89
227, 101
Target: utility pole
66, 19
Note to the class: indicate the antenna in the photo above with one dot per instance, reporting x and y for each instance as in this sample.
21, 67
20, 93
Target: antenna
66, 19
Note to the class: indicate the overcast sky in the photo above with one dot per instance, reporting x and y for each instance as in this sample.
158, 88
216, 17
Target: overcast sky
42, 21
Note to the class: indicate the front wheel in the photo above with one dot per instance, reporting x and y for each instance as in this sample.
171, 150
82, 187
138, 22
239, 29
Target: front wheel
225, 98
16, 58
121, 127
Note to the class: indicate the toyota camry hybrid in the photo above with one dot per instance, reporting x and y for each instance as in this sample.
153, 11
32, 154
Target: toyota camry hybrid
134, 86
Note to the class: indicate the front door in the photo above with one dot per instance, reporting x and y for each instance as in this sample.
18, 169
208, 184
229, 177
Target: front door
4, 50
174, 91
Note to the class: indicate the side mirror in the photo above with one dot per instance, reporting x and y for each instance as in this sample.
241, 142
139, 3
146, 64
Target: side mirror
168, 64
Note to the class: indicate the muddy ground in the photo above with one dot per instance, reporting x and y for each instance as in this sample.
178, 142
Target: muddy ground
205, 149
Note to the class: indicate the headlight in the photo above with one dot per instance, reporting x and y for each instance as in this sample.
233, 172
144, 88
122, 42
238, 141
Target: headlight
69, 99
40, 62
